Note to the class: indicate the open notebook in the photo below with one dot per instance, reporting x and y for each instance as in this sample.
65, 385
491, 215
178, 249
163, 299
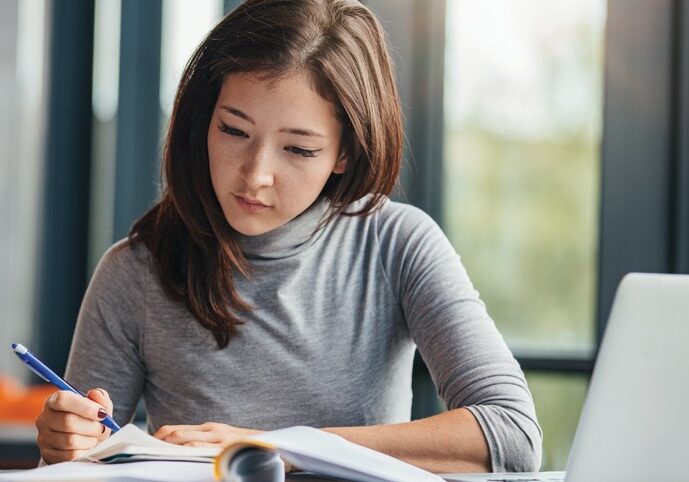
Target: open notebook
324, 453
132, 444
307, 448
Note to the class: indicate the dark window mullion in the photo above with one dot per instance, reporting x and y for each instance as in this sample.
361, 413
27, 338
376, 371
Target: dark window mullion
555, 364
681, 138
635, 223
138, 113
62, 265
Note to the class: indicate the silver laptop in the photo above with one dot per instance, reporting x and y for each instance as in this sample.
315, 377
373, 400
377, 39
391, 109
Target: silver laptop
635, 423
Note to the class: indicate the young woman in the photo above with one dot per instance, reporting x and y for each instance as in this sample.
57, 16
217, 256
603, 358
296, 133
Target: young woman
275, 284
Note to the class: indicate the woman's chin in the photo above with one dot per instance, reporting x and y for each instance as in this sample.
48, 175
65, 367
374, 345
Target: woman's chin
253, 227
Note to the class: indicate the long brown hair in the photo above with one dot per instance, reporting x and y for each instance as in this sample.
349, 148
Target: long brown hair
341, 45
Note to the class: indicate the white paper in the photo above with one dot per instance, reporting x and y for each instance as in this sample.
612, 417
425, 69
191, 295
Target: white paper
507, 476
131, 440
153, 471
325, 453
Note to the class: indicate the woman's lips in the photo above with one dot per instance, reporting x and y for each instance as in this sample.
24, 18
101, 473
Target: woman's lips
250, 206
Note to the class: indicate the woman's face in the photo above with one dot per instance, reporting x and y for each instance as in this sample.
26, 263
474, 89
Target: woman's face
272, 145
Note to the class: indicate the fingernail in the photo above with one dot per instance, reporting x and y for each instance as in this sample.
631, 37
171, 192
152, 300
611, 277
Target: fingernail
102, 414
102, 392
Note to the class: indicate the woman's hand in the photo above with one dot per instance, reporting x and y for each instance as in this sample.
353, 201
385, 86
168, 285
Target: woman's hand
209, 434
69, 424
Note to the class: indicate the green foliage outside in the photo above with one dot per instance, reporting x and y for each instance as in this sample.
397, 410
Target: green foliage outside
523, 215
559, 400
521, 188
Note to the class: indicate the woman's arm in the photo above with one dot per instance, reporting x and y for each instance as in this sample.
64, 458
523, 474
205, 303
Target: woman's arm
103, 354
448, 442
467, 358
107, 343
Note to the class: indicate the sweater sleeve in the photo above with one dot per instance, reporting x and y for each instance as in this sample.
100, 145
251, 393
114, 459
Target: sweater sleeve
106, 347
467, 357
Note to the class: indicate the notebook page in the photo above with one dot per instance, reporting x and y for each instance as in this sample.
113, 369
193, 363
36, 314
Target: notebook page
143, 471
322, 452
132, 440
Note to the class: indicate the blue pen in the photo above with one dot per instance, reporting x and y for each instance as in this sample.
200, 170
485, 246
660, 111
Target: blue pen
37, 366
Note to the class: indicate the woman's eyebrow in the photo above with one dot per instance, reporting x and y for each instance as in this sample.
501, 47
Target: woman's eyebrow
301, 132
288, 130
237, 112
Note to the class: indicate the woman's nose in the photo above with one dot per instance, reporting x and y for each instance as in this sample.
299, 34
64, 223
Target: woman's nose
257, 170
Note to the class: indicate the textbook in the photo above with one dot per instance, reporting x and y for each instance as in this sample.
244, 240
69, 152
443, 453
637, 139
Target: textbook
131, 444
324, 453
307, 448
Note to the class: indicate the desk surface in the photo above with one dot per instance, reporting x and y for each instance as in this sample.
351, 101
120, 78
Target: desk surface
18, 449
300, 477
17, 432
290, 478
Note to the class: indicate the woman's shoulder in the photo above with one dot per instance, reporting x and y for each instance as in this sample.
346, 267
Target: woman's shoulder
408, 241
125, 258
396, 219
390, 211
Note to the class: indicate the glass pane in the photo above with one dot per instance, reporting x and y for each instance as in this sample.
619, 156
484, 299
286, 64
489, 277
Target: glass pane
559, 400
185, 24
523, 111
23, 61
106, 76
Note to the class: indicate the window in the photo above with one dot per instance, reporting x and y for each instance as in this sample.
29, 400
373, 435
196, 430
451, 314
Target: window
23, 59
523, 124
185, 24
523, 110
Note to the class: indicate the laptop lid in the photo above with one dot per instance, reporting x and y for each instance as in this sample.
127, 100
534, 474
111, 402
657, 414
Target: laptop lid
635, 422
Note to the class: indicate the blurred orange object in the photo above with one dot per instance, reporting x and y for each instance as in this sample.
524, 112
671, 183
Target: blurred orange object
19, 403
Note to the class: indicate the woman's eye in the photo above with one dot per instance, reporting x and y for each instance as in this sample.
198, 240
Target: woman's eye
301, 152
233, 131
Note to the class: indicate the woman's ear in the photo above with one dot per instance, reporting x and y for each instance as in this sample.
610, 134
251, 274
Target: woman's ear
340, 165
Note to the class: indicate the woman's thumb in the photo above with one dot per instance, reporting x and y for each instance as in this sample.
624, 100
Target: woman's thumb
101, 397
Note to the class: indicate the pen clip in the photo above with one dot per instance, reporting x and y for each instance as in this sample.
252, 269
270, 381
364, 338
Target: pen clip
35, 371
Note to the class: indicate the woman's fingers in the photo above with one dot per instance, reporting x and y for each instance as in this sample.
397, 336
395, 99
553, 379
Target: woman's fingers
166, 430
64, 401
54, 456
70, 423
199, 444
67, 441
188, 434
101, 397
208, 433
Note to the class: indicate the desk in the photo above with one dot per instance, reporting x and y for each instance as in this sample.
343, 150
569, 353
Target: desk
289, 478
524, 477
18, 449
203, 472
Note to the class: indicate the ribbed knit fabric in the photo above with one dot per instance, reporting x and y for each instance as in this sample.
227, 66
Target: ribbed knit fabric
338, 315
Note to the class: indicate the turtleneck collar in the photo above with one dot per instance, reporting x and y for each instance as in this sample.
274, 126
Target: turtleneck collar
288, 239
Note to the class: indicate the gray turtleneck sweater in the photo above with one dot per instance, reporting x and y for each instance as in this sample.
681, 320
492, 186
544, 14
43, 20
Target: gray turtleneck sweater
338, 315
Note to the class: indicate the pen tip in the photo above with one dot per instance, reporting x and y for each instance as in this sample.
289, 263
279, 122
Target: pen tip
14, 346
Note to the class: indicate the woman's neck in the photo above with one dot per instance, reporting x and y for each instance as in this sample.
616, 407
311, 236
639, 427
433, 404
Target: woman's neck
288, 239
